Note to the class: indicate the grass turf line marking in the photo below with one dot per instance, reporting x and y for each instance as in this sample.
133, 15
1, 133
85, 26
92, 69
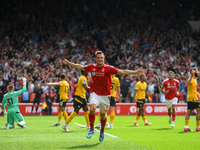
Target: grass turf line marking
98, 131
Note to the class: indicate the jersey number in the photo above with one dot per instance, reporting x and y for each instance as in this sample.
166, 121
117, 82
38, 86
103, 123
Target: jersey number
9, 101
112, 86
65, 89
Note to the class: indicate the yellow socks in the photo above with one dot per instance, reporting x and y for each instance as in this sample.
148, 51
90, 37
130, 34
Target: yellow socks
60, 114
186, 122
198, 123
65, 115
87, 118
137, 118
72, 115
144, 118
99, 116
112, 116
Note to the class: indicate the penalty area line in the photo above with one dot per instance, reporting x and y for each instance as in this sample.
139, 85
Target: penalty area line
98, 131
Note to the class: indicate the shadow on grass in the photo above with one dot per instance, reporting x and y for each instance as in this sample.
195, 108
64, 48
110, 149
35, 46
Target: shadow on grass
131, 126
163, 129
12, 129
185, 132
84, 146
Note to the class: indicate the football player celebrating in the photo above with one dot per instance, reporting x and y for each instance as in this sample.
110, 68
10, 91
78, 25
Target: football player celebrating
192, 99
100, 94
171, 87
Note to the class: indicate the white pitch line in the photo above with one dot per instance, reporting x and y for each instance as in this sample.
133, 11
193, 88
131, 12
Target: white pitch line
97, 130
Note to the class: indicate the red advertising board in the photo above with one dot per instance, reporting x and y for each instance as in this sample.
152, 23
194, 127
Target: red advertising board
120, 109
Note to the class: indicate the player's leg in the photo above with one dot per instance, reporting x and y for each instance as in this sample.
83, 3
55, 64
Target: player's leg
10, 121
112, 111
92, 115
78, 103
187, 117
169, 107
138, 114
190, 107
146, 123
32, 107
94, 102
174, 103
104, 106
112, 115
85, 108
64, 111
37, 108
19, 118
72, 115
91, 119
60, 114
198, 119
173, 115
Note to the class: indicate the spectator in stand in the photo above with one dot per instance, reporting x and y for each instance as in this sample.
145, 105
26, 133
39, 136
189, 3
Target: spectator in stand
181, 98
127, 45
124, 91
132, 90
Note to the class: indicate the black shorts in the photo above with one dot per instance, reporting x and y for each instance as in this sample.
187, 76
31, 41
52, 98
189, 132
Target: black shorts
79, 102
140, 103
62, 104
112, 101
193, 105
36, 100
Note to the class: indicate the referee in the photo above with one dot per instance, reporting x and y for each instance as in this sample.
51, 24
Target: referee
38, 92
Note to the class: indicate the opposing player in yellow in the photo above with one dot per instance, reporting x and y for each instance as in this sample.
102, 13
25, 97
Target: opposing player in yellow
192, 99
114, 93
64, 91
141, 93
80, 101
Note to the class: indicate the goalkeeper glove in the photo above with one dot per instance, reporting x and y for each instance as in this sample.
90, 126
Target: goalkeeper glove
24, 81
5, 113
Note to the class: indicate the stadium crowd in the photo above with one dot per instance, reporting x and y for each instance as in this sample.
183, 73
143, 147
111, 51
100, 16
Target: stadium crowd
35, 37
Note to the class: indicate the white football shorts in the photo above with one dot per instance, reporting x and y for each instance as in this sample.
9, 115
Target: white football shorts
171, 102
102, 101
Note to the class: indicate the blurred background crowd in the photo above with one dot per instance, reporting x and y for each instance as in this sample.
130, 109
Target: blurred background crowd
35, 36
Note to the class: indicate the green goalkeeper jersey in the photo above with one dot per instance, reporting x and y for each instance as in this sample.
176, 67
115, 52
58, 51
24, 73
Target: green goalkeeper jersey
11, 99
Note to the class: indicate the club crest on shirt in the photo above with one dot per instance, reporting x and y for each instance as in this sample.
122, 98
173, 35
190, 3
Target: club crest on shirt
93, 73
103, 70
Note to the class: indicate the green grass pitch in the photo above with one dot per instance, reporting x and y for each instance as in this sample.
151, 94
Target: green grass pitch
41, 134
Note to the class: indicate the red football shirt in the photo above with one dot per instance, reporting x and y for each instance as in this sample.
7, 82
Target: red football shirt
172, 87
101, 77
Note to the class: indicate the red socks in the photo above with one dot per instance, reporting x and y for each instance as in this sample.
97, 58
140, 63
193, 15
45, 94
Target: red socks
103, 123
92, 119
173, 117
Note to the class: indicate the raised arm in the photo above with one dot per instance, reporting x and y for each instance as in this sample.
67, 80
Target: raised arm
23, 88
128, 72
117, 93
77, 66
54, 84
189, 81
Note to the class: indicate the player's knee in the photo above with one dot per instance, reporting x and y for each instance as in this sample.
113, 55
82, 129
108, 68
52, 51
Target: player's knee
76, 110
85, 108
92, 108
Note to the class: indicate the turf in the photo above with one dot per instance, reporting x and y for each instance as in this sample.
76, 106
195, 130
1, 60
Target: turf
41, 134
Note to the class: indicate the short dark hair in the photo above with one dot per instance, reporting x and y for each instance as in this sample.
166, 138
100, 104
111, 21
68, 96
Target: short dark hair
141, 76
62, 76
193, 68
